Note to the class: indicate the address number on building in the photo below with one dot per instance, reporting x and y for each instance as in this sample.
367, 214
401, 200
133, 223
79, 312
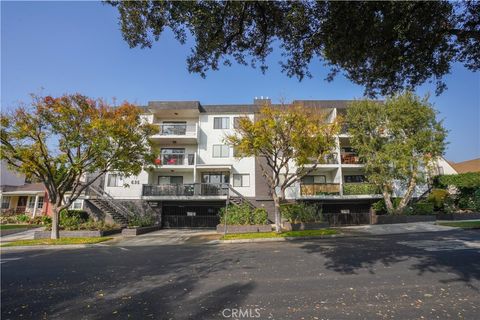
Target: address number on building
191, 214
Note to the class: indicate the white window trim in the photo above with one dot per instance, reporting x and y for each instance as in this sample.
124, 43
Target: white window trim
222, 147
227, 123
243, 184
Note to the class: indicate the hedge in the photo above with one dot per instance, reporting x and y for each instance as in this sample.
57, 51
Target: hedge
463, 180
359, 188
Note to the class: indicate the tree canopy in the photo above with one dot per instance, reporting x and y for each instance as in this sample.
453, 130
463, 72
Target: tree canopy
385, 46
397, 140
58, 141
290, 142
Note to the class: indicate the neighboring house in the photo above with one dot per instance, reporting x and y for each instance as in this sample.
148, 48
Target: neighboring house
467, 166
18, 197
196, 172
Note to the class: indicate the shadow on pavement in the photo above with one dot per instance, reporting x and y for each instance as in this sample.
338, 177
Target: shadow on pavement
347, 257
137, 285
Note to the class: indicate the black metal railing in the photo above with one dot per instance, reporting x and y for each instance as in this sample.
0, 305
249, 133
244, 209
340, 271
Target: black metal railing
192, 189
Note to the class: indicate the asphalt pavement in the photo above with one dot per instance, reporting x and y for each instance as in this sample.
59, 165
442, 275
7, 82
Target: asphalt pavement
431, 275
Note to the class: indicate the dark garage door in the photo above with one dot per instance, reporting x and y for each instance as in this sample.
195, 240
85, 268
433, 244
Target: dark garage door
198, 215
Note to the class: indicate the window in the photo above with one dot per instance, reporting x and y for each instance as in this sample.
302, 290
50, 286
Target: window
314, 179
77, 205
170, 180
241, 180
355, 178
221, 123
236, 121
40, 203
114, 180
216, 177
5, 202
221, 151
31, 202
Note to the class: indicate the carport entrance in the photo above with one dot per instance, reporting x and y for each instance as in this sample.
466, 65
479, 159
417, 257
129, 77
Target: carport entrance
191, 215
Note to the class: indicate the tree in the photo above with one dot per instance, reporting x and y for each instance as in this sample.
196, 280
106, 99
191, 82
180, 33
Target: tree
396, 140
290, 141
385, 46
60, 140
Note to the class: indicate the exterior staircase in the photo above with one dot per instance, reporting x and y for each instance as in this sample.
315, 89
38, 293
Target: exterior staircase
238, 199
103, 201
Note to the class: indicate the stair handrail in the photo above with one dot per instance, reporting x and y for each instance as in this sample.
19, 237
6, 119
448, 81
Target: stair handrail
108, 197
239, 195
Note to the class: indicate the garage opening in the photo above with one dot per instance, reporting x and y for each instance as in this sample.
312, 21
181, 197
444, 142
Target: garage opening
191, 215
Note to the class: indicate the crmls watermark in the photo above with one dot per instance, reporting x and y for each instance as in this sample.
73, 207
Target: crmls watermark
241, 313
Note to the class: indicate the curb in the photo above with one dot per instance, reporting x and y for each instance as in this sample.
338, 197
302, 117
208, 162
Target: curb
279, 239
46, 247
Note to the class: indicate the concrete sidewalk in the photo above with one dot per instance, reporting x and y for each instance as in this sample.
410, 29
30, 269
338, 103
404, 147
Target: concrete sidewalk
169, 237
398, 228
24, 235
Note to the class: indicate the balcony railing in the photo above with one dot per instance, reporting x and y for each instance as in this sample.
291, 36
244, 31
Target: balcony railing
316, 189
192, 189
176, 159
331, 158
177, 130
350, 158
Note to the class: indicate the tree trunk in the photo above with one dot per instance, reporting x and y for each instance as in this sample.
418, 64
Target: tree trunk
55, 222
278, 216
408, 194
388, 201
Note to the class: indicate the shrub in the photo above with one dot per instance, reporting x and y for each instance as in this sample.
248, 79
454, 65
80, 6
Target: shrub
141, 221
73, 218
95, 225
438, 197
23, 218
260, 216
422, 207
35, 220
463, 180
359, 188
243, 215
8, 219
90, 224
381, 207
300, 213
46, 220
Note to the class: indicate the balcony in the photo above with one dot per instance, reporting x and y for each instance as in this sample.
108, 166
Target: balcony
331, 158
185, 190
185, 133
176, 159
319, 189
350, 158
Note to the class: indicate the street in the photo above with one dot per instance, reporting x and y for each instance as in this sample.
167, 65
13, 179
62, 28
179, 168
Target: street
432, 275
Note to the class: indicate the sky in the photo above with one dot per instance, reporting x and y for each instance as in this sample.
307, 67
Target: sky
66, 47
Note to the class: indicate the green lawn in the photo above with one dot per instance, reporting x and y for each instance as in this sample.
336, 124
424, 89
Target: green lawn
17, 226
461, 224
259, 235
38, 242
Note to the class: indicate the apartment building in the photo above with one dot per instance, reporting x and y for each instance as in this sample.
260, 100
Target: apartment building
196, 172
